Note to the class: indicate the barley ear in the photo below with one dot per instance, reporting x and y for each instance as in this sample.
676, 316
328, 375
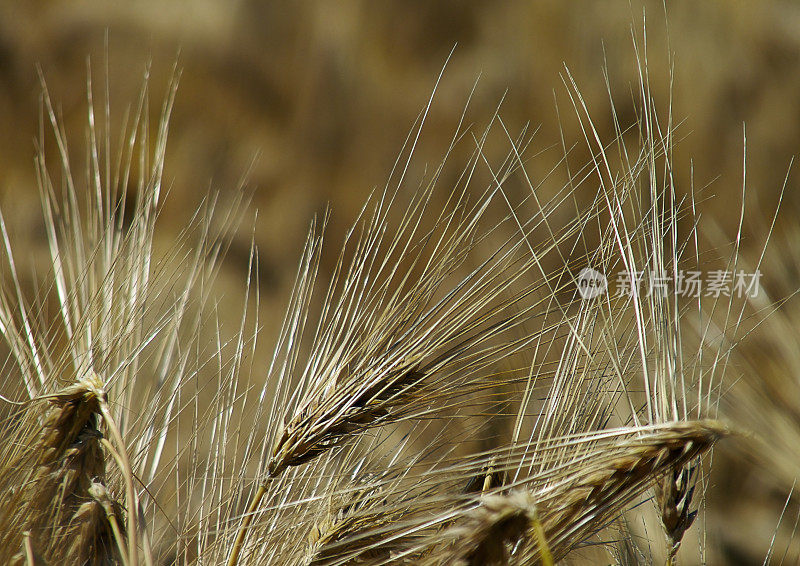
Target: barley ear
545, 518
586, 500
56, 502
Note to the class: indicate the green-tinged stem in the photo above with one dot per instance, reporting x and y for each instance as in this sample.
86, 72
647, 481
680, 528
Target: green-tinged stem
238, 544
541, 541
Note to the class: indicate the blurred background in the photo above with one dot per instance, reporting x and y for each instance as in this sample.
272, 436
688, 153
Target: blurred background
308, 104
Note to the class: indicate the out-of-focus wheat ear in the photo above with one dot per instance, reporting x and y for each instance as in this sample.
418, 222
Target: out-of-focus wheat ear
490, 479
488, 533
625, 551
674, 498
28, 556
329, 541
569, 504
576, 500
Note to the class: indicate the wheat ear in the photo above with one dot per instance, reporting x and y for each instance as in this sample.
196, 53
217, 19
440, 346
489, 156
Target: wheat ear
431, 521
63, 502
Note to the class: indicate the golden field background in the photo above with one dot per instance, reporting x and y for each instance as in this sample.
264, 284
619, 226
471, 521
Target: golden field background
310, 103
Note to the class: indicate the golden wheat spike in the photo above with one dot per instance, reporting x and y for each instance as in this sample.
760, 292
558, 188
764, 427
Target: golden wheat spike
551, 512
55, 481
